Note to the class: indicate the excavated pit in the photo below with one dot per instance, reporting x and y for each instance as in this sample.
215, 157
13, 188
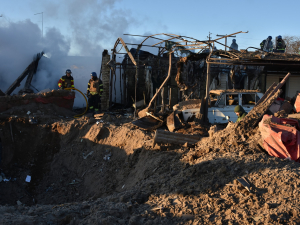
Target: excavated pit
70, 160
109, 173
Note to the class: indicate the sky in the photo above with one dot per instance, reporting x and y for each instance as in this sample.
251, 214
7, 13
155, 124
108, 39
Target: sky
85, 28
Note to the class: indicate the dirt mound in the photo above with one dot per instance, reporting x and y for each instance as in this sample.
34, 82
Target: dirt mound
87, 171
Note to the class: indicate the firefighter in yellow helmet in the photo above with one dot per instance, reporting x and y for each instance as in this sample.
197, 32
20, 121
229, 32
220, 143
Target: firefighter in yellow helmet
94, 92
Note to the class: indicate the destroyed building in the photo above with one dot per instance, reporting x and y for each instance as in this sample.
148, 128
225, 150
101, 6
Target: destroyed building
63, 168
250, 69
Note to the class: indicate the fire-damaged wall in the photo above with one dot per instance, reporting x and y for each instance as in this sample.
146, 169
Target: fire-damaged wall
188, 77
152, 71
61, 98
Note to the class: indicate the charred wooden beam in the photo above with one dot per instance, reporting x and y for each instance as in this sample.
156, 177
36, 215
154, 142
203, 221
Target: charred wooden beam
29, 71
166, 137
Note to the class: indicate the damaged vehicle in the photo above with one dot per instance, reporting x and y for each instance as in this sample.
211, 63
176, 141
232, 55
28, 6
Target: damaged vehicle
222, 104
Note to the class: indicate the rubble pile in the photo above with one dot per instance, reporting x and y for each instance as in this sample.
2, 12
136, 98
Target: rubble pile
107, 171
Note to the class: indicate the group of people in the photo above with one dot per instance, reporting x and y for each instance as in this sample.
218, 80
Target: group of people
94, 89
267, 45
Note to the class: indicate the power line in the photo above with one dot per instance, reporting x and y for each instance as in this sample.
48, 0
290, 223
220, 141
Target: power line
42, 20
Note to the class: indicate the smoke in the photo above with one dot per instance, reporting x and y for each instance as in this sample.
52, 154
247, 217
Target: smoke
18, 43
85, 30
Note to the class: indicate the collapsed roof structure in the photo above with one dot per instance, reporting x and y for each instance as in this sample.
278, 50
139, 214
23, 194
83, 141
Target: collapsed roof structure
196, 67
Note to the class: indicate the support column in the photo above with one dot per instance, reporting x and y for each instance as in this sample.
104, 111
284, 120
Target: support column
105, 80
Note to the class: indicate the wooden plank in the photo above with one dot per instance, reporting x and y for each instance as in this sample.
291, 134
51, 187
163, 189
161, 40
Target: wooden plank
166, 137
271, 88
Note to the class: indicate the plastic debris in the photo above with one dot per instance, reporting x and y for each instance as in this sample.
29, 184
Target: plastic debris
28, 179
33, 120
28, 113
244, 183
107, 157
19, 203
87, 154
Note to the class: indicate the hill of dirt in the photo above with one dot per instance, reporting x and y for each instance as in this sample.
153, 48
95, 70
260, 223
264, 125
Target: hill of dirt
87, 171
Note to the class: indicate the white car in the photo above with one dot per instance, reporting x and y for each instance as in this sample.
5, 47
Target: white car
222, 104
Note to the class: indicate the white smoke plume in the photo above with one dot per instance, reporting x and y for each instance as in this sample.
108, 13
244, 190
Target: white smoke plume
92, 26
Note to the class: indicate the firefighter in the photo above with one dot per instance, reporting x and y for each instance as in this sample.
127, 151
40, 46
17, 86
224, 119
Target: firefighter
267, 44
66, 81
280, 44
234, 45
94, 92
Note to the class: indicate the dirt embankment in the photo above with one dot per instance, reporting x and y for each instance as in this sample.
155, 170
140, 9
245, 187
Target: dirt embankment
109, 173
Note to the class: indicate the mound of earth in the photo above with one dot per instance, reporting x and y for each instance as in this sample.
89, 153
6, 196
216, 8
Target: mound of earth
87, 171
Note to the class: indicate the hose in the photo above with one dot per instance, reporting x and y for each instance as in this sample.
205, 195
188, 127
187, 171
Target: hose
86, 108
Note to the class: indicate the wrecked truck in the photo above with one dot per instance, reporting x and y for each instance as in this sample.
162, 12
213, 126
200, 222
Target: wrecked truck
222, 104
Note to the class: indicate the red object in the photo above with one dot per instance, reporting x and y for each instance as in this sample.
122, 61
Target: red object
64, 101
297, 103
280, 99
280, 140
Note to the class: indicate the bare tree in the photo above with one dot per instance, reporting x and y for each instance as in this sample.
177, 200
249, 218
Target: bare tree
292, 44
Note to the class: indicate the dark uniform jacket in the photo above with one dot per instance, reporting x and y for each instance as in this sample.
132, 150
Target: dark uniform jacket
66, 82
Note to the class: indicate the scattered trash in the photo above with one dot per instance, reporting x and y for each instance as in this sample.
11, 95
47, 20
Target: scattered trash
244, 183
81, 140
6, 179
19, 203
33, 120
74, 182
84, 157
123, 186
28, 179
107, 157
28, 113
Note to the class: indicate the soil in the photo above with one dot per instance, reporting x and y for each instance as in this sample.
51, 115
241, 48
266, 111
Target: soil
106, 171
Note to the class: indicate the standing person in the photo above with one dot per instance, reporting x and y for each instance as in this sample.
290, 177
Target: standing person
234, 45
267, 44
280, 44
94, 92
240, 112
66, 81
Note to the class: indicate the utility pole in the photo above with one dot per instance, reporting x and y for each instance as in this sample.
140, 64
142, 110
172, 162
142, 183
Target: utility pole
206, 99
42, 20
225, 38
